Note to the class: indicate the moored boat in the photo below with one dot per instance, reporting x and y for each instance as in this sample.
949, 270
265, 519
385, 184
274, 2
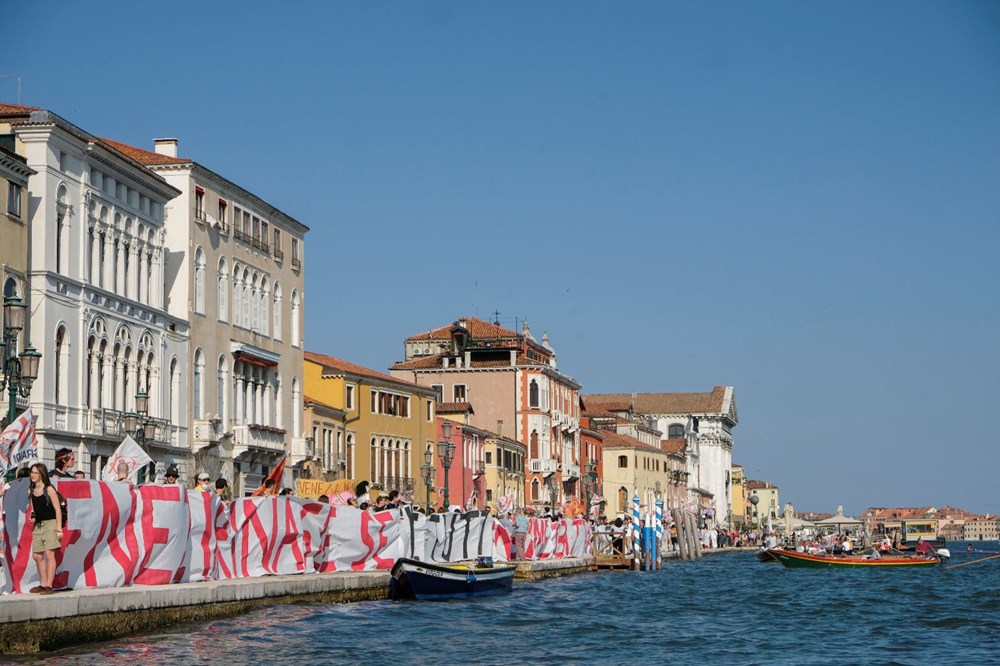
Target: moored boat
446, 580
796, 560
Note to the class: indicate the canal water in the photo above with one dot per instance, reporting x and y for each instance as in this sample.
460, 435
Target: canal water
721, 609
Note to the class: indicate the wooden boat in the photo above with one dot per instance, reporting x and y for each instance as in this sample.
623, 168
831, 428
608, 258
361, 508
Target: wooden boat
796, 560
763, 555
445, 580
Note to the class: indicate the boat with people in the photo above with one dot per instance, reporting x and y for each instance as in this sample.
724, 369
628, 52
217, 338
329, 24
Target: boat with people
450, 580
794, 559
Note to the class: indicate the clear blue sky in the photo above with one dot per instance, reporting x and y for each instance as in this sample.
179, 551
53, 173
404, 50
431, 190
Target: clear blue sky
797, 199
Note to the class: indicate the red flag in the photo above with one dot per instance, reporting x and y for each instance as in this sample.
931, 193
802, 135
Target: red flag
275, 476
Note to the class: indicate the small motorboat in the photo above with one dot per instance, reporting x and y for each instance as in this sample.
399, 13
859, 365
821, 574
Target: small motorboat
413, 579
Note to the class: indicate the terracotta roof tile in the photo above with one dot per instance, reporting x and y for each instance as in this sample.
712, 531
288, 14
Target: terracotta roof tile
16, 109
346, 367
477, 328
419, 363
455, 408
662, 403
613, 439
673, 445
308, 400
145, 157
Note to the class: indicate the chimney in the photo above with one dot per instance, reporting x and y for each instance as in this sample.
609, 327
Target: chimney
166, 147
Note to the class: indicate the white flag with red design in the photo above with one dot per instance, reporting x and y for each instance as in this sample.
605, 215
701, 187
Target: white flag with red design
17, 443
131, 454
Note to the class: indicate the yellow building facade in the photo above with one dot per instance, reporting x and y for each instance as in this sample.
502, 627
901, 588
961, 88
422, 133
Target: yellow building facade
387, 425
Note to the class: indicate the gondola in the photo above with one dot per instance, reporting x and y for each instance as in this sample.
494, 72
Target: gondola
413, 579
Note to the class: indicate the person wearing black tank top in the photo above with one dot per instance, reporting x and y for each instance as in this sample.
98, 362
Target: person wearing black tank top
46, 537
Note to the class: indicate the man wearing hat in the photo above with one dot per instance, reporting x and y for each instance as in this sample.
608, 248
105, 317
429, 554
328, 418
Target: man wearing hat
171, 476
204, 483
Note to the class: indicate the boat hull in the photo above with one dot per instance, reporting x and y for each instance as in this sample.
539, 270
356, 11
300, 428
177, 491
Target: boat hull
412, 579
796, 560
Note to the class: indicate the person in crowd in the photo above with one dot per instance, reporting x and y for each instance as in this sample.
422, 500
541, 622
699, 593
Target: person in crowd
847, 546
618, 536
285, 492
323, 499
875, 555
121, 470
222, 490
380, 503
46, 537
886, 545
171, 476
269, 487
521, 532
394, 499
364, 506
204, 483
79, 474
65, 458
924, 548
361, 492
23, 473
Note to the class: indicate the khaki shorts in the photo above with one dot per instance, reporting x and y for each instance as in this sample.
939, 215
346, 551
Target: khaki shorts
44, 537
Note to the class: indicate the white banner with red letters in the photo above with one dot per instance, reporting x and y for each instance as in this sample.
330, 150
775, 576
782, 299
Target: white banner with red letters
118, 534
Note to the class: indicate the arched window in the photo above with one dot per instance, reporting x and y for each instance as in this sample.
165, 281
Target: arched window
533, 394
247, 300
237, 297
199, 281
276, 317
223, 289
61, 365
263, 308
254, 303
535, 487
173, 404
534, 445
675, 431
222, 384
295, 319
296, 408
198, 382
62, 208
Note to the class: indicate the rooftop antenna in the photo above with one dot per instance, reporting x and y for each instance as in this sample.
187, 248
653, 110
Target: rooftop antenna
18, 77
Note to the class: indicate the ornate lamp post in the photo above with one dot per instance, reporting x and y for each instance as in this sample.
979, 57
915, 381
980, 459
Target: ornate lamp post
446, 452
753, 500
21, 370
427, 473
143, 427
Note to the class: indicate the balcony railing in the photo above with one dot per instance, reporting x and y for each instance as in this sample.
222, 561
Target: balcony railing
266, 438
278, 254
570, 471
403, 484
544, 466
478, 468
296, 264
303, 448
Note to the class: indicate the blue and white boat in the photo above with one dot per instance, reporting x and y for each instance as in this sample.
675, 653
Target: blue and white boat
445, 580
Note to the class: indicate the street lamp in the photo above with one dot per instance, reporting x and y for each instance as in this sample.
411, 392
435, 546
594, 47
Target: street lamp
446, 452
143, 427
427, 472
21, 370
550, 483
591, 468
753, 500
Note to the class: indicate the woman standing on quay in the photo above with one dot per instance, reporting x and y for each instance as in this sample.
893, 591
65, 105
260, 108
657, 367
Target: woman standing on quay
47, 533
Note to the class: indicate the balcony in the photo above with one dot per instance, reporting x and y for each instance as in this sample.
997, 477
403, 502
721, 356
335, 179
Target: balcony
403, 484
570, 472
478, 468
259, 437
303, 449
544, 466
296, 264
278, 254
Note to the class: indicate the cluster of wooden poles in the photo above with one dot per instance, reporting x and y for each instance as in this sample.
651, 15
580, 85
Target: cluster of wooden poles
688, 543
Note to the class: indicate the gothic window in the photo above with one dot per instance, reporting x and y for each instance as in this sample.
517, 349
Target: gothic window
533, 394
198, 383
276, 316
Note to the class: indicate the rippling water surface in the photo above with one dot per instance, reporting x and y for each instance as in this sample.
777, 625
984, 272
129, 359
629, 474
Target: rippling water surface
722, 609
